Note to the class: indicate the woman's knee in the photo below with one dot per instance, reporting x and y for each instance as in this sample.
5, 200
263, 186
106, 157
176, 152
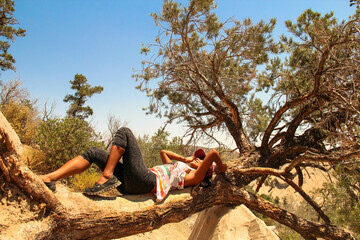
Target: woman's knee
122, 137
122, 130
91, 153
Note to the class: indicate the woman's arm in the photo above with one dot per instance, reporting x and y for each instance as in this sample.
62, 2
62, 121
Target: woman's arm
195, 177
167, 156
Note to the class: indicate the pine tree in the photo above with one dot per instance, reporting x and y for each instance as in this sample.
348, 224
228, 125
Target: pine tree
208, 78
8, 33
83, 92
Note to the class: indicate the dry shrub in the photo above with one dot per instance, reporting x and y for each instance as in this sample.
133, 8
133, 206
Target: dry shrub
84, 180
35, 159
87, 179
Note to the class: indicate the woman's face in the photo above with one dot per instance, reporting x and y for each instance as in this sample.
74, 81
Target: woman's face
195, 163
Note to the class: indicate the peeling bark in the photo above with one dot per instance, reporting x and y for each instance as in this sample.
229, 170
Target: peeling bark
14, 169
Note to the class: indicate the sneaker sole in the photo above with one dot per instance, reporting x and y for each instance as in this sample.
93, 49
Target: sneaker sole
108, 188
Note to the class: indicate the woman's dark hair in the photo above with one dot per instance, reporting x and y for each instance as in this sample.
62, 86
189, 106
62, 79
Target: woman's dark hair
200, 153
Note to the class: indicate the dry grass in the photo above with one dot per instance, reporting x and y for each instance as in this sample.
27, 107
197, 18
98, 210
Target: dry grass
34, 159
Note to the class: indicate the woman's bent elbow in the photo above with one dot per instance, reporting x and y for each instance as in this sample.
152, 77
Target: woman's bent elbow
213, 153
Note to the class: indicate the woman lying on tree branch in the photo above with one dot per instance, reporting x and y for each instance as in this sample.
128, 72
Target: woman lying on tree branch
132, 176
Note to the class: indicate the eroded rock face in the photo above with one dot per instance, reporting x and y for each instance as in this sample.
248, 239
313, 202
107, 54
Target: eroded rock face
179, 231
215, 223
226, 223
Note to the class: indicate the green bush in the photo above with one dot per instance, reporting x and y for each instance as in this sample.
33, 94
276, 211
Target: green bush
151, 146
342, 198
63, 139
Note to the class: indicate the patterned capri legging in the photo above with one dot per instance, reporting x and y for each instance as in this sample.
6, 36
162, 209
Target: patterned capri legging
135, 177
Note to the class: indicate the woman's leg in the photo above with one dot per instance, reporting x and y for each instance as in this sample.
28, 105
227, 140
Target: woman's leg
137, 177
133, 174
74, 166
116, 153
106, 162
81, 163
100, 158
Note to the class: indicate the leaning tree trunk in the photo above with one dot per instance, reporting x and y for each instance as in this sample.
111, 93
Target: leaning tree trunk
119, 217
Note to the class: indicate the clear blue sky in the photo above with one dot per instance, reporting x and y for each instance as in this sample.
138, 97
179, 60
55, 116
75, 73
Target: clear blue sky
101, 39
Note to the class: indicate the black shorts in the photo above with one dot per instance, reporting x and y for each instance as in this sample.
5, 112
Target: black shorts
135, 177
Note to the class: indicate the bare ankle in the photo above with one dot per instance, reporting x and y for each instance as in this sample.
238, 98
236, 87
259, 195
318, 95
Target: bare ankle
107, 175
103, 178
45, 178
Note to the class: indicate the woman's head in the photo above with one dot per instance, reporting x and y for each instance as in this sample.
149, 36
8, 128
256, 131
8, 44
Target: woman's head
199, 155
